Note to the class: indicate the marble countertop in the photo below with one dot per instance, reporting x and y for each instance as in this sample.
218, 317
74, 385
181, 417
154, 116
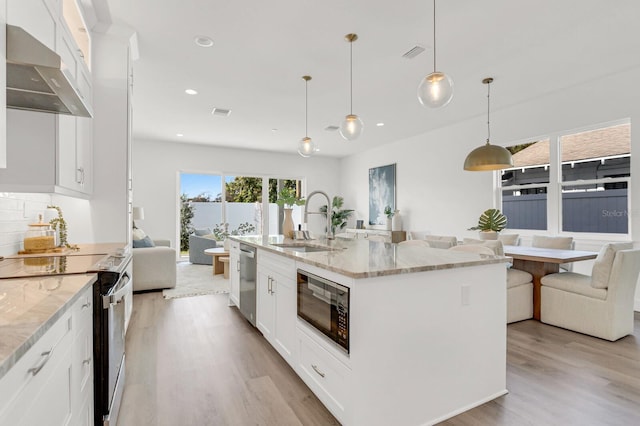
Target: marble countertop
29, 307
361, 258
83, 250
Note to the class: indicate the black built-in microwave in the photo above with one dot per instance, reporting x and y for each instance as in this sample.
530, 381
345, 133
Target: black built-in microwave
324, 305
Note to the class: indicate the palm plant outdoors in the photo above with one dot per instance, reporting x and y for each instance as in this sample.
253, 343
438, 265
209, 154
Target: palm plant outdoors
339, 216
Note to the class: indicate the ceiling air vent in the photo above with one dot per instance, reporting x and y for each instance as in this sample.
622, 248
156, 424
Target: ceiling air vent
331, 128
413, 52
221, 112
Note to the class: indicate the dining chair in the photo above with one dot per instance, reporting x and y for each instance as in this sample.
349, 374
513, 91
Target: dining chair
560, 243
417, 243
510, 239
600, 304
377, 238
519, 283
441, 241
418, 235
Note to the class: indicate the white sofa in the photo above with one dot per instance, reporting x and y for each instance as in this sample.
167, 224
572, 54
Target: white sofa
154, 268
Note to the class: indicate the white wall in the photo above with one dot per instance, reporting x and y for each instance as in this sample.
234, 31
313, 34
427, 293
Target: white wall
17, 211
433, 191
156, 166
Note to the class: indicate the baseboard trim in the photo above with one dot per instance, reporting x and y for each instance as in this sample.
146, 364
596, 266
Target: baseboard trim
467, 408
636, 305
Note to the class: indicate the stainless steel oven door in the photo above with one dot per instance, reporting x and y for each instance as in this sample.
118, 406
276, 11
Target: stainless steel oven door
113, 302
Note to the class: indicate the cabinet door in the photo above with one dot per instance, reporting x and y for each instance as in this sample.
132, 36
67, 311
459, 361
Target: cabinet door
34, 17
66, 156
234, 273
285, 318
265, 304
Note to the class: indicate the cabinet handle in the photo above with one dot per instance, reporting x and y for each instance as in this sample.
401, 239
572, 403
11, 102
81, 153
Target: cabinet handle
86, 361
45, 358
81, 179
317, 370
269, 285
85, 305
238, 265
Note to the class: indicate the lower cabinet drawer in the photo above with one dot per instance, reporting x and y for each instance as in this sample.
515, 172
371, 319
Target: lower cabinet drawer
328, 378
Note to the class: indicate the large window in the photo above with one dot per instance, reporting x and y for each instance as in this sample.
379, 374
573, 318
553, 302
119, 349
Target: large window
581, 180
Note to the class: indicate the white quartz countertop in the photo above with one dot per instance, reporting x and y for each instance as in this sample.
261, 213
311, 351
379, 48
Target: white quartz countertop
29, 307
361, 258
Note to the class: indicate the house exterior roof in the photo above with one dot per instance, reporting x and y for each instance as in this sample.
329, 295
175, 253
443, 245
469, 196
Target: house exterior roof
606, 142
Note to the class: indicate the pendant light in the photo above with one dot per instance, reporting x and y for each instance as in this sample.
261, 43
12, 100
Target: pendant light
306, 147
488, 157
352, 127
436, 89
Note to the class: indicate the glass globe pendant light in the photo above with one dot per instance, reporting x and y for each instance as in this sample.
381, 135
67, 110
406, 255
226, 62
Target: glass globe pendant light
488, 157
306, 147
436, 89
351, 128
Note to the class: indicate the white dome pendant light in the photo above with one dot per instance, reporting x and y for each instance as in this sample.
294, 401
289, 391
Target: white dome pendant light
306, 147
436, 89
487, 156
351, 128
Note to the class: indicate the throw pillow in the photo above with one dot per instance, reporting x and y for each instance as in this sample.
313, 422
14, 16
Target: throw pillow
201, 232
144, 242
603, 263
138, 234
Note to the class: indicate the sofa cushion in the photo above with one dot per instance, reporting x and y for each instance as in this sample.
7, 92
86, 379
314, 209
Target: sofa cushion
144, 242
138, 234
603, 263
200, 232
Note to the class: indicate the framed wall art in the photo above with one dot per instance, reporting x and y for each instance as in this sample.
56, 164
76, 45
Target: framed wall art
382, 193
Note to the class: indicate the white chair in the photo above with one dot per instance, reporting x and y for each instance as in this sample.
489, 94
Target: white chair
418, 235
417, 243
509, 239
381, 238
560, 243
441, 241
519, 283
600, 304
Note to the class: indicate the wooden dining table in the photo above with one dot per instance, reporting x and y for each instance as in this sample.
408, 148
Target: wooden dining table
543, 261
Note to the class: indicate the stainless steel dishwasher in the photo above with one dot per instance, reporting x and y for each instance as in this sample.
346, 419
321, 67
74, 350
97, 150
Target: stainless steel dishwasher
248, 282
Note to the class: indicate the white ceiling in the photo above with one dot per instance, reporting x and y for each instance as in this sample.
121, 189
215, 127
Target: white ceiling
263, 48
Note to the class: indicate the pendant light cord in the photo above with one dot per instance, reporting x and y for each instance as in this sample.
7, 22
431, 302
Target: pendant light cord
351, 75
306, 108
488, 111
434, 36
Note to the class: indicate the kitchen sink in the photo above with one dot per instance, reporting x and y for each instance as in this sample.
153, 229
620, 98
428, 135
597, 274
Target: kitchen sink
307, 248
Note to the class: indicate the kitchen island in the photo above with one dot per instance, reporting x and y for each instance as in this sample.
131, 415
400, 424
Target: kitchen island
427, 331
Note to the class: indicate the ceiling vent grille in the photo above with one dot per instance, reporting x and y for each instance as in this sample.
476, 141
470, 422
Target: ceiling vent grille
413, 52
220, 112
331, 128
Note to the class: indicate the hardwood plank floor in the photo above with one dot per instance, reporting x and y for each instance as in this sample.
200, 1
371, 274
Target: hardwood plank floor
196, 361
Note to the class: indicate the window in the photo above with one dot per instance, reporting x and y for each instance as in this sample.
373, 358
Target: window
525, 187
595, 180
579, 180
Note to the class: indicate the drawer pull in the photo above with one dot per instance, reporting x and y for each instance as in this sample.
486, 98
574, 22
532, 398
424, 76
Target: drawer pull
45, 358
317, 370
85, 305
86, 361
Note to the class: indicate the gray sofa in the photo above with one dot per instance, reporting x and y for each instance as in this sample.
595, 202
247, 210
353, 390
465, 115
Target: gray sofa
199, 241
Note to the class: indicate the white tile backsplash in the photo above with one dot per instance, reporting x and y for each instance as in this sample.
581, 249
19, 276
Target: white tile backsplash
17, 211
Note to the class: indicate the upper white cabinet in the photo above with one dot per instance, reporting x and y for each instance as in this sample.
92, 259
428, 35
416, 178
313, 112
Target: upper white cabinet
3, 83
49, 152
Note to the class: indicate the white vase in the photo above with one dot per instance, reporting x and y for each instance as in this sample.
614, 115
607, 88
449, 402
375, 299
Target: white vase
488, 235
287, 224
396, 222
226, 244
389, 224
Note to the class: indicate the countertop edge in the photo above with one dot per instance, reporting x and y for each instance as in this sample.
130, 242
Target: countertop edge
7, 363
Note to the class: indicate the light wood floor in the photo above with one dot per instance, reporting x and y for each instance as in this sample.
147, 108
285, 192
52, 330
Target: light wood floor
195, 361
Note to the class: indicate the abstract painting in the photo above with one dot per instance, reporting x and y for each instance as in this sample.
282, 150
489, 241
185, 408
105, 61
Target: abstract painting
382, 193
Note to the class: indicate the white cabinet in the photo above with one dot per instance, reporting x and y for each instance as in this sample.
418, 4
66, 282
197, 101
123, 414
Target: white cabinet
3, 83
276, 303
52, 383
234, 272
49, 152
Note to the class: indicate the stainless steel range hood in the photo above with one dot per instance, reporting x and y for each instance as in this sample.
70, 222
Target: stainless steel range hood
36, 80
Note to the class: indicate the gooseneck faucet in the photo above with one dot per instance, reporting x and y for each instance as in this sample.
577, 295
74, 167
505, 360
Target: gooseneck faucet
328, 212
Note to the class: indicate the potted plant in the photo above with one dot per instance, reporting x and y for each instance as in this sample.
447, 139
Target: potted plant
389, 213
287, 198
339, 216
491, 222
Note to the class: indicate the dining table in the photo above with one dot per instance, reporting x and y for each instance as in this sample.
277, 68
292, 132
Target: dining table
543, 261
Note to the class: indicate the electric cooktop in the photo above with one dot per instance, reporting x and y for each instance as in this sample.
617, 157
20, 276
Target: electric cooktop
53, 265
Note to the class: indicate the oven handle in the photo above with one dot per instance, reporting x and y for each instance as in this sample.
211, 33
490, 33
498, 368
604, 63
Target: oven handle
117, 296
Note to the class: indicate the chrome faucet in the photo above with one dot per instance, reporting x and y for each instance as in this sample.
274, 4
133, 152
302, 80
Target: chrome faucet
329, 210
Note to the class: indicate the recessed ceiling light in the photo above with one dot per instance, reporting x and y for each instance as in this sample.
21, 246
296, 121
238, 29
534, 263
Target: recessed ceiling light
331, 128
203, 41
380, 124
274, 130
191, 92
179, 135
